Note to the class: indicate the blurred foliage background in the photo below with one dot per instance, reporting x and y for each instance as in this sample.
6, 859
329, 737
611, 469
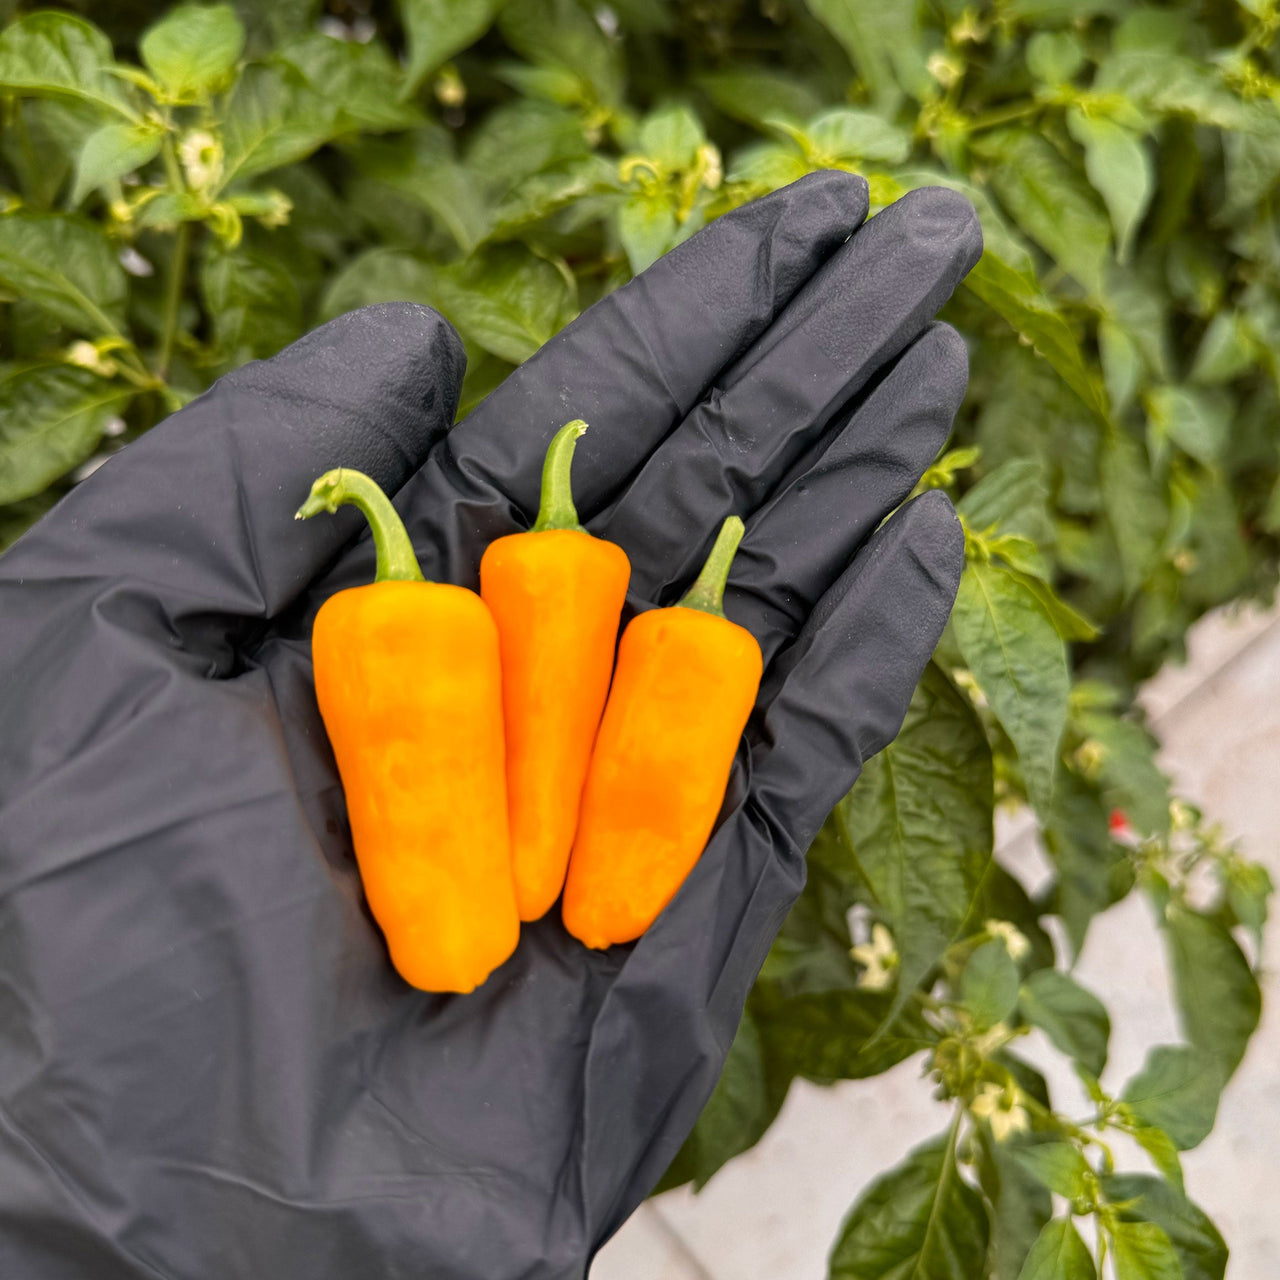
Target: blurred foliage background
180, 196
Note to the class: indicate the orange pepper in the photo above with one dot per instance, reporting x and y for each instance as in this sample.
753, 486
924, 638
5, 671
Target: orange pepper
409, 683
556, 594
685, 683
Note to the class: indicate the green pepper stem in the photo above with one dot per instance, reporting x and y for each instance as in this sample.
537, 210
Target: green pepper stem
396, 560
557, 510
707, 593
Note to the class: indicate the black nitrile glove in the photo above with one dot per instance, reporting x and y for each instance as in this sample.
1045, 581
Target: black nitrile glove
208, 1067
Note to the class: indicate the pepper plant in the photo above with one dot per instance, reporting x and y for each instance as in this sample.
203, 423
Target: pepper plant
184, 194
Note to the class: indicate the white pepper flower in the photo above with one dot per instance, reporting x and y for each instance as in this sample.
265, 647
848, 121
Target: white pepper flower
1012, 937
879, 958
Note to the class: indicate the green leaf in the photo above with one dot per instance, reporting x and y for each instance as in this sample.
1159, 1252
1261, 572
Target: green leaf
507, 300
1093, 870
270, 21
253, 300
1197, 421
917, 826
193, 49
1142, 1251
1218, 997
1177, 1090
1119, 169
1170, 83
754, 94
1127, 770
989, 984
1121, 364
51, 419
1074, 1019
1194, 275
1221, 557
1138, 305
671, 137
1195, 1239
274, 117
39, 143
1146, 29
1049, 202
1058, 1165
921, 1219
1020, 389
1020, 1204
1069, 623
556, 85
767, 166
379, 275
561, 34
1055, 57
1164, 1155
516, 141
169, 208
647, 227
882, 39
845, 133
1002, 897
544, 194
744, 1103
1134, 506
65, 266
54, 54
1059, 1254
111, 152
1226, 351
421, 166
811, 952
1013, 498
831, 1035
360, 83
1025, 1076
1018, 658
1252, 168
1020, 555
437, 29
1249, 888
1019, 300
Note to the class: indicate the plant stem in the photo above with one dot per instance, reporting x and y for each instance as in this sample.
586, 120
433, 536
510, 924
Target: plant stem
172, 169
173, 301
707, 593
1004, 115
132, 370
396, 559
557, 510
1070, 1126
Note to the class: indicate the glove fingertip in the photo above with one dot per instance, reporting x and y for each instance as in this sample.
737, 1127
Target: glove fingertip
937, 540
943, 215
396, 368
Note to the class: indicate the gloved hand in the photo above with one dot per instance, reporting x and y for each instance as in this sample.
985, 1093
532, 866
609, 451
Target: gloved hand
208, 1066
